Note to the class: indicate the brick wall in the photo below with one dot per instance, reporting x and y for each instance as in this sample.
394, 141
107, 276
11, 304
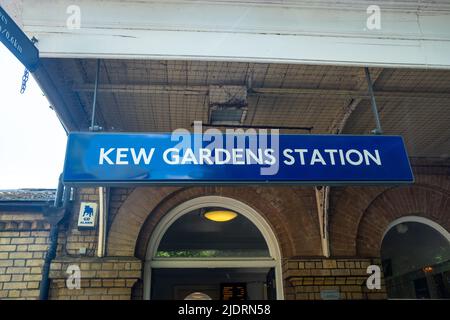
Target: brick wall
23, 243
101, 278
70, 238
358, 219
306, 278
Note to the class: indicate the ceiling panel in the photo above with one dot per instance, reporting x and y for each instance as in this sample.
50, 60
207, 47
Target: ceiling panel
160, 95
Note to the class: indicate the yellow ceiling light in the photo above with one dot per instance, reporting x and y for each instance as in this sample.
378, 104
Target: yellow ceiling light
428, 269
220, 215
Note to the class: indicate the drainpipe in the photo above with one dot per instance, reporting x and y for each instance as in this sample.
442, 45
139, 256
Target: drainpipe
57, 213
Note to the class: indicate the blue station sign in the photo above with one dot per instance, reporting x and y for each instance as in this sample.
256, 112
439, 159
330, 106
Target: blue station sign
17, 42
159, 158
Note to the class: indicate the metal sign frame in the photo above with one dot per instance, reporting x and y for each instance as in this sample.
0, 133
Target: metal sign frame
82, 168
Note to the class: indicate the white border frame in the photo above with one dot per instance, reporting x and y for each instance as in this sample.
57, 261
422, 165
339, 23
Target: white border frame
213, 201
418, 219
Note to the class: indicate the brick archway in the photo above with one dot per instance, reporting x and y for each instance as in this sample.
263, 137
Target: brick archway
128, 222
292, 220
360, 215
419, 200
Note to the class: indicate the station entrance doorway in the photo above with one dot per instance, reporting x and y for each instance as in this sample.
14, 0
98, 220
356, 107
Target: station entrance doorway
213, 248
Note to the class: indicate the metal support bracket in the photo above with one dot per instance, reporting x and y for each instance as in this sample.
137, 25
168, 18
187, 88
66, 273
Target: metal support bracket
323, 200
94, 127
373, 103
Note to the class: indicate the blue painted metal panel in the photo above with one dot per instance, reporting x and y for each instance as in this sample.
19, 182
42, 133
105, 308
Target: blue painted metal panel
108, 159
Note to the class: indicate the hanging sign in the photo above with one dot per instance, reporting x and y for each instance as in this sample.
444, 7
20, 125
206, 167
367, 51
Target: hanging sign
17, 42
157, 158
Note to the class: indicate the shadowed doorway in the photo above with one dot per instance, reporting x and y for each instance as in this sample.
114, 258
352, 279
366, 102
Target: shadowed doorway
416, 261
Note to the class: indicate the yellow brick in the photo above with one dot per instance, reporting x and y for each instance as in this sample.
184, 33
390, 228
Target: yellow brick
30, 293
351, 289
34, 263
119, 266
37, 247
17, 270
136, 266
7, 247
131, 282
40, 234
350, 264
32, 277
95, 291
84, 283
35, 270
108, 283
5, 278
301, 296
10, 234
84, 266
107, 266
22, 240
329, 264
5, 240
14, 285
119, 291
90, 274
38, 255
96, 266
17, 277
14, 294
41, 241
107, 274
20, 255
357, 295
129, 274
6, 263
321, 272
56, 266
119, 283
33, 285
19, 263
95, 283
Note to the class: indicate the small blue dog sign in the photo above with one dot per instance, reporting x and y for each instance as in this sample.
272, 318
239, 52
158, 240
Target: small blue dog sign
88, 215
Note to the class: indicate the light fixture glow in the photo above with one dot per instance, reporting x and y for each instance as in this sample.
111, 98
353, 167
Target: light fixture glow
220, 215
428, 269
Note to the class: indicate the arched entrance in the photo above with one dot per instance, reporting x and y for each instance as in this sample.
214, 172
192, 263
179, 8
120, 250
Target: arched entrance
210, 257
415, 254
